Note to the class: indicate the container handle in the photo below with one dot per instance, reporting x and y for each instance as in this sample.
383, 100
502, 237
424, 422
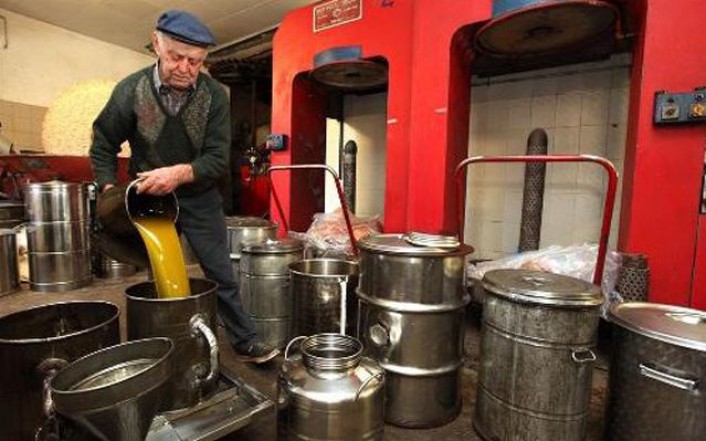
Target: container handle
583, 356
47, 368
199, 326
668, 379
289, 345
379, 376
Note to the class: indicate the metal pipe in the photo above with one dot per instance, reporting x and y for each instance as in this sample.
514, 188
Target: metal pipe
339, 189
533, 193
349, 172
607, 208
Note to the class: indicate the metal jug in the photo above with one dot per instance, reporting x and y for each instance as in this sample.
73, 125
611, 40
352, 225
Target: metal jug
332, 392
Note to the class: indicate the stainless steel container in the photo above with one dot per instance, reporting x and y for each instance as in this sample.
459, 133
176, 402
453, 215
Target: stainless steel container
323, 291
35, 344
191, 323
58, 236
10, 274
246, 229
331, 392
109, 268
116, 392
412, 301
12, 213
534, 381
264, 287
658, 374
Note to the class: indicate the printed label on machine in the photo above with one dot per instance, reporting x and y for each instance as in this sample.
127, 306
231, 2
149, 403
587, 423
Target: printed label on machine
336, 12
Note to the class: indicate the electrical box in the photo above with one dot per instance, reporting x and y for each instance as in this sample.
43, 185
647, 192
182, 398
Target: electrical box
276, 142
680, 107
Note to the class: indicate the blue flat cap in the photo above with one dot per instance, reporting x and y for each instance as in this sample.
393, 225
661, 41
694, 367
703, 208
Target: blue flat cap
186, 28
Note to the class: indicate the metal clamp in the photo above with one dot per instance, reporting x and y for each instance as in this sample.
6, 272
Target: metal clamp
289, 345
380, 376
584, 355
199, 326
668, 379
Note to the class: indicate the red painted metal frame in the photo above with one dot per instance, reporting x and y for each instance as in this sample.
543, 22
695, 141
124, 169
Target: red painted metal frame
339, 189
607, 209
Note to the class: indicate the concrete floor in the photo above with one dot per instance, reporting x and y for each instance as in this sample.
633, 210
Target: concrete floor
263, 378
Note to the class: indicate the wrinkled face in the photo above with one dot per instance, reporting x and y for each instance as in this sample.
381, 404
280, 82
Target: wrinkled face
179, 62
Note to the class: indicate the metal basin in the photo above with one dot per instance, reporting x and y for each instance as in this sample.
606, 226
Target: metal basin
116, 392
34, 344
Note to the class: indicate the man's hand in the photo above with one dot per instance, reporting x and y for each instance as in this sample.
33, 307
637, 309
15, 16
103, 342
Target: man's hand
161, 181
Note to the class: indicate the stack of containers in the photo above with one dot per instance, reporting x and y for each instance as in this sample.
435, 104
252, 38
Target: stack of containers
58, 236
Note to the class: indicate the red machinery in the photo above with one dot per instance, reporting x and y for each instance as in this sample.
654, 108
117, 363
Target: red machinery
429, 49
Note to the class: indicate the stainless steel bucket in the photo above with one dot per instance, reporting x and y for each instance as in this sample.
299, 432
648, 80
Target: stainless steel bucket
264, 287
245, 229
109, 268
10, 274
412, 302
116, 392
657, 375
332, 392
536, 363
191, 323
58, 236
323, 291
12, 213
37, 342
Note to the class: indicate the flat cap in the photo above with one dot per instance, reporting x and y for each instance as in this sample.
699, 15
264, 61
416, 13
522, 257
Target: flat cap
186, 28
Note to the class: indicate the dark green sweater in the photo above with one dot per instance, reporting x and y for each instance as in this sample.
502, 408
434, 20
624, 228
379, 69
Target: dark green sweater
198, 135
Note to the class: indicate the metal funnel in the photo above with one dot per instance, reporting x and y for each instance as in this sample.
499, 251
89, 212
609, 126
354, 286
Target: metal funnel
115, 393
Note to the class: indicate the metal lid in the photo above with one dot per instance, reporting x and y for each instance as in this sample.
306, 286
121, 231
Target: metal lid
676, 325
398, 244
541, 288
273, 246
50, 185
247, 221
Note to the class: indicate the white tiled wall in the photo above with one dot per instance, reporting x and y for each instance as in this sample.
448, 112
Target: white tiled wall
364, 123
583, 108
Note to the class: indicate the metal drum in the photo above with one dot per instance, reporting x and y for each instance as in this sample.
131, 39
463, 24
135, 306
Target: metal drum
246, 229
264, 287
12, 213
658, 374
536, 364
35, 344
323, 292
331, 392
10, 275
190, 322
109, 268
58, 236
412, 301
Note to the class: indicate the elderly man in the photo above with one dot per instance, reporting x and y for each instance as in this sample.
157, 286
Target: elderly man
177, 122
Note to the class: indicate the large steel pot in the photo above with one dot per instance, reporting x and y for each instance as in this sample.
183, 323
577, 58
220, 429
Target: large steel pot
412, 301
536, 364
264, 287
34, 345
323, 292
12, 213
191, 323
10, 275
657, 375
243, 230
332, 392
58, 236
115, 393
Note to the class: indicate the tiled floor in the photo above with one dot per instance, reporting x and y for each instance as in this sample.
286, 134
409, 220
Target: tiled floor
263, 378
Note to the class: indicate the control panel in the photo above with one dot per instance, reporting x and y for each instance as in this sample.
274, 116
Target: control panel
680, 107
276, 142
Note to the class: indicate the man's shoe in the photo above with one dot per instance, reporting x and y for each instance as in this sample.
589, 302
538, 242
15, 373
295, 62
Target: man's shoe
258, 352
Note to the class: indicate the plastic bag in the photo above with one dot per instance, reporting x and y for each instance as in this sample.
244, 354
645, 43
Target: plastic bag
577, 261
329, 235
